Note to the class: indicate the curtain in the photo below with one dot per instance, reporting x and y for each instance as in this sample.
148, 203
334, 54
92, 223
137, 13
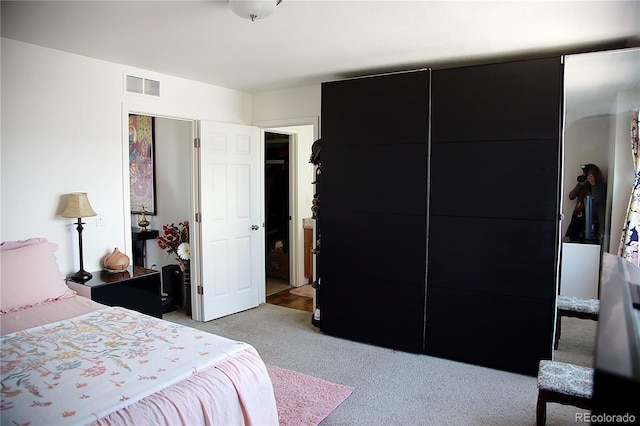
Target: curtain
629, 242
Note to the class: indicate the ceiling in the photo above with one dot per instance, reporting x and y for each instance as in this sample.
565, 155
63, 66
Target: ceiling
309, 42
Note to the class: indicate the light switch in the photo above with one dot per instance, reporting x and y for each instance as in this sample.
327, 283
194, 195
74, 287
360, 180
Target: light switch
100, 219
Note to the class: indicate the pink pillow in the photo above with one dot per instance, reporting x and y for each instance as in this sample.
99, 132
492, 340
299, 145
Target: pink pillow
29, 276
10, 245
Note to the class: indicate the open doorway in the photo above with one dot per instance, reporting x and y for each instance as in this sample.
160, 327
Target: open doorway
302, 132
300, 137
172, 141
277, 211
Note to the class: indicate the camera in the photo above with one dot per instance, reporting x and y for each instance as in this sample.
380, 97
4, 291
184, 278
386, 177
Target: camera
585, 171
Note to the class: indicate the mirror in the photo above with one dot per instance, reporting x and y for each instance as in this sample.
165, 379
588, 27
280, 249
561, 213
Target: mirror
601, 88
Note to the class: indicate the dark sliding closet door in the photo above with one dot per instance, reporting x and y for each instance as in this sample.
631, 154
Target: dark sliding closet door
492, 251
373, 211
448, 248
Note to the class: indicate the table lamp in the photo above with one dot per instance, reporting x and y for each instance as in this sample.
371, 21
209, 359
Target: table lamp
78, 206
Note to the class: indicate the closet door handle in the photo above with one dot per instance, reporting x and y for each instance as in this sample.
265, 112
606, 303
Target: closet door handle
255, 227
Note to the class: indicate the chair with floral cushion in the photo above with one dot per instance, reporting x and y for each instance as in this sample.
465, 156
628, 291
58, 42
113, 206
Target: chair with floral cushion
576, 307
563, 383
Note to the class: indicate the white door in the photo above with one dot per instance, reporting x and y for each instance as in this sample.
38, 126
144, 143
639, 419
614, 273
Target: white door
231, 226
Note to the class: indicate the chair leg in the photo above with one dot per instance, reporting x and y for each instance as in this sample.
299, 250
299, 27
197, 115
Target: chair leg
541, 410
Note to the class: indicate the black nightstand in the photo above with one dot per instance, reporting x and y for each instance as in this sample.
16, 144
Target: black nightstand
135, 288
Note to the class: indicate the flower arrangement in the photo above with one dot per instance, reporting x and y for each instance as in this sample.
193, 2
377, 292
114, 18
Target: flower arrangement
176, 241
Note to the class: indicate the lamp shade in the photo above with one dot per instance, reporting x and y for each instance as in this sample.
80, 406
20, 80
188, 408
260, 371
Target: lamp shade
78, 206
253, 9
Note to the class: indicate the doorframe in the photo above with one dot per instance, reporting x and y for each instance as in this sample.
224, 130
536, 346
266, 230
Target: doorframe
277, 126
128, 108
292, 245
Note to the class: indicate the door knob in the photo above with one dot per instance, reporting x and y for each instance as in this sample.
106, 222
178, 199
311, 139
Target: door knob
255, 227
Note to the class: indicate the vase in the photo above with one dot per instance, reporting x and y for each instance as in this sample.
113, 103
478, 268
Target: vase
116, 261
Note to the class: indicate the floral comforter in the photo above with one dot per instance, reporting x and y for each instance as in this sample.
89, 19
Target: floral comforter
79, 370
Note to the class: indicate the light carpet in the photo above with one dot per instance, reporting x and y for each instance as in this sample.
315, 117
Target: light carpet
399, 388
305, 291
302, 399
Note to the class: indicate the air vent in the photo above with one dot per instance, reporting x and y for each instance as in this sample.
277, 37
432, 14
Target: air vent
151, 87
135, 84
142, 86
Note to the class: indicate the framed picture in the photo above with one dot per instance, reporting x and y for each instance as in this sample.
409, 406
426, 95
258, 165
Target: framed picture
142, 170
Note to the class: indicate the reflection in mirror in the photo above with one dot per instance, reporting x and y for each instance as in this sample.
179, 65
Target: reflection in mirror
600, 90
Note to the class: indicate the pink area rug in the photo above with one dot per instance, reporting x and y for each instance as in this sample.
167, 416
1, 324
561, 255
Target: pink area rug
305, 290
304, 400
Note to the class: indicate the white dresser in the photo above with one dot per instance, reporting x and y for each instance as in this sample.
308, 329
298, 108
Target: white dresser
580, 270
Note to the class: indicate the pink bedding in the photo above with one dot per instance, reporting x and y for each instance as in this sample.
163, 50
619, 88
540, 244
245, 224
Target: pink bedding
231, 386
46, 313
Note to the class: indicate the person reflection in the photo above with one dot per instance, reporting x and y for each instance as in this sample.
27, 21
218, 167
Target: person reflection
592, 183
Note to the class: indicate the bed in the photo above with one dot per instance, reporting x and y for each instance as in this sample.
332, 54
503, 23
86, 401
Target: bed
67, 360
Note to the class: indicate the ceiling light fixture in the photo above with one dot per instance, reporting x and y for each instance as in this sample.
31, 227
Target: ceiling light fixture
253, 9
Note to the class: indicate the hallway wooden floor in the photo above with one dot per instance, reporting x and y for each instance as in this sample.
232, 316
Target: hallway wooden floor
288, 300
278, 294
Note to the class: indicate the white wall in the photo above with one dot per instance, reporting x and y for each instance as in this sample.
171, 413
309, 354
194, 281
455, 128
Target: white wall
62, 131
287, 105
